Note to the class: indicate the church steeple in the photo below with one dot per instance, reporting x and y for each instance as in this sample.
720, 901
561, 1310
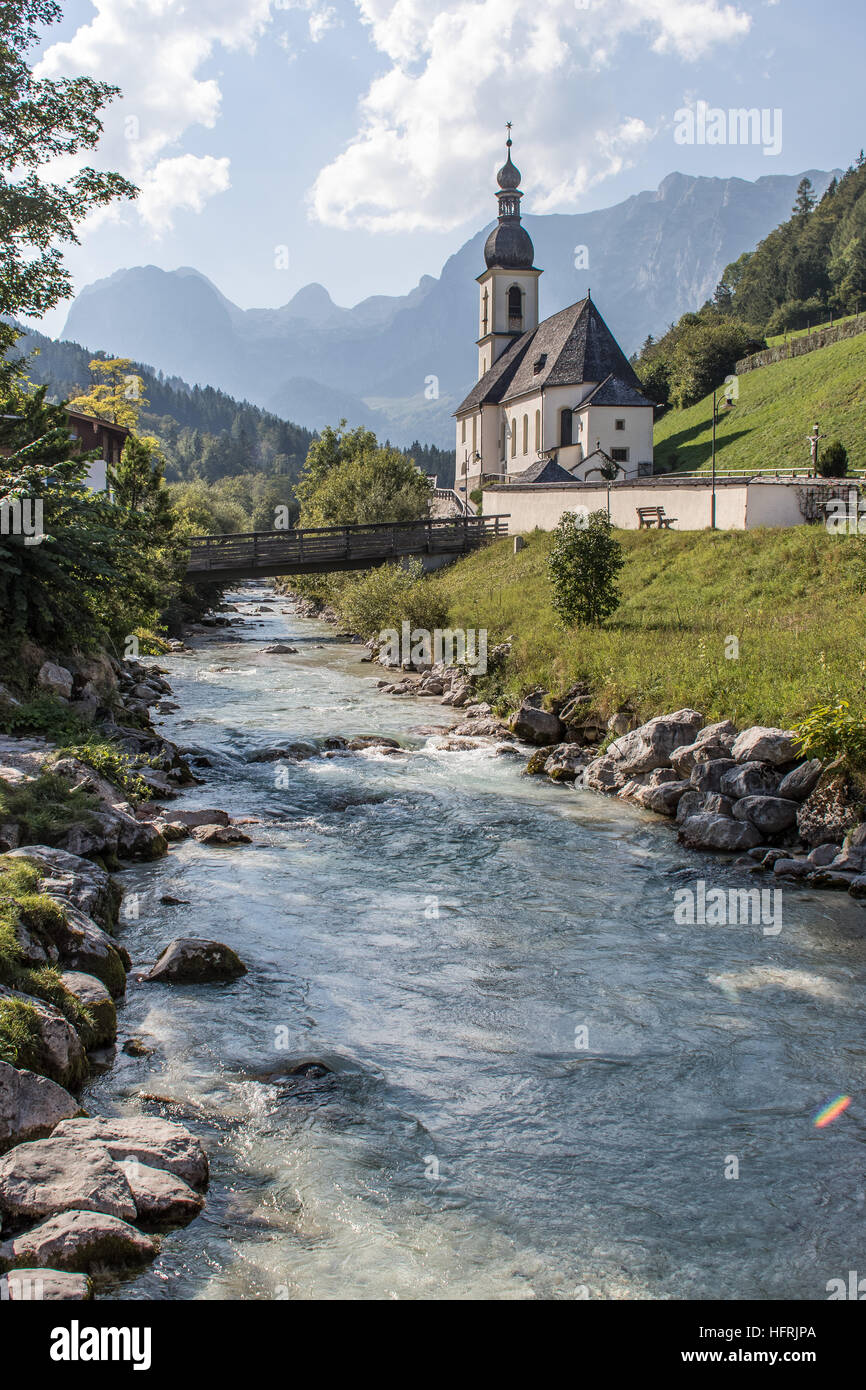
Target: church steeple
509, 286
509, 244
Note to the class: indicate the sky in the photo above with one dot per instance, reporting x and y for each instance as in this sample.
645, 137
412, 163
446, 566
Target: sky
355, 142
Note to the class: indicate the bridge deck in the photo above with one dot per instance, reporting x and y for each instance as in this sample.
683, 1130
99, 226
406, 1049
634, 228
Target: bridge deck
321, 549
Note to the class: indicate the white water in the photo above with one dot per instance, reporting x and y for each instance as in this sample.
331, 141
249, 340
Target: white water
563, 1172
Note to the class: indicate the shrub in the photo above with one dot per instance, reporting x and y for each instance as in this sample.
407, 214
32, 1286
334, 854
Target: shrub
583, 567
390, 595
832, 731
833, 462
115, 766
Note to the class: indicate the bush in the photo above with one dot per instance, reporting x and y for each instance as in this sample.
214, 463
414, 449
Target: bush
832, 731
47, 808
390, 595
583, 566
833, 462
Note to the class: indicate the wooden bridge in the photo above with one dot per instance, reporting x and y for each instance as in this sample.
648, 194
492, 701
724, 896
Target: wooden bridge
261, 554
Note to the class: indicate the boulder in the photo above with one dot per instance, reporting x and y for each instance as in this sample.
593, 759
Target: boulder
153, 1142
857, 886
31, 1106
707, 776
61, 1174
220, 835
44, 1286
53, 1046
801, 781
664, 798
762, 745
564, 763
832, 809
603, 775
79, 1241
839, 879
57, 680
822, 855
212, 817
93, 994
75, 880
690, 803
749, 779
535, 725
161, 1198
75, 941
770, 814
793, 868
718, 804
706, 831
195, 960
280, 649
653, 744
856, 838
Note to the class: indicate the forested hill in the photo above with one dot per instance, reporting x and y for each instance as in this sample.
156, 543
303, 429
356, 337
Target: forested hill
205, 433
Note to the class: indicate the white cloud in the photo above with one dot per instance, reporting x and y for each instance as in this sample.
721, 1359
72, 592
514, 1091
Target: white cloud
458, 67
153, 50
188, 181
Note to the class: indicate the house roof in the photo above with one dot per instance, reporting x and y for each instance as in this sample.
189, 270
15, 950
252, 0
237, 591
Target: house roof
96, 421
613, 391
567, 349
544, 471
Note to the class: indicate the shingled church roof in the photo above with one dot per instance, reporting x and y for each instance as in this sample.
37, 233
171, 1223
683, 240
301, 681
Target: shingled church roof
571, 347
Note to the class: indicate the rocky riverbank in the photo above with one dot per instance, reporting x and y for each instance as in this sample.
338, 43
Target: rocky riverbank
743, 792
84, 1197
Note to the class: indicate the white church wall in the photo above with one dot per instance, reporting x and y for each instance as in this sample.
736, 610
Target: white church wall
739, 506
598, 423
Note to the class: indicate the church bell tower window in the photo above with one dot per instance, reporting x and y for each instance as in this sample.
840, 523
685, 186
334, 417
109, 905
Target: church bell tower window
515, 307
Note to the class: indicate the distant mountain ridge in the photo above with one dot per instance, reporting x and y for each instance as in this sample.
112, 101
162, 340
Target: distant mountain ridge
400, 364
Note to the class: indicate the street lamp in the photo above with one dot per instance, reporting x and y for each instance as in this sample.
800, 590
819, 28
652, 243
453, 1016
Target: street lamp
728, 405
474, 457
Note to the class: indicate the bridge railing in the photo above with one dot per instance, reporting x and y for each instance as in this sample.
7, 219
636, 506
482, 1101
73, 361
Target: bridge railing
318, 545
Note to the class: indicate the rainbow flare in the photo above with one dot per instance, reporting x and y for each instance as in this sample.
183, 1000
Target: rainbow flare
831, 1111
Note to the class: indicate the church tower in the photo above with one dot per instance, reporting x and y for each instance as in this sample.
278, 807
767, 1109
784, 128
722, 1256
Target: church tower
508, 294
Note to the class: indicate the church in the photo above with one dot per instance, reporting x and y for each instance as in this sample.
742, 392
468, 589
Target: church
556, 401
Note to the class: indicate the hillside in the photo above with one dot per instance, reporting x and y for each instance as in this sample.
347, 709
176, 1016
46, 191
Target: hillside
777, 408
791, 596
651, 258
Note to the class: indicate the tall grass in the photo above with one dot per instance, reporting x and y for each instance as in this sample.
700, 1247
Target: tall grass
789, 597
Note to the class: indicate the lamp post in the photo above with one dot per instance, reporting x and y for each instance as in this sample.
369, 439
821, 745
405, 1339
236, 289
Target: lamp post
474, 457
728, 405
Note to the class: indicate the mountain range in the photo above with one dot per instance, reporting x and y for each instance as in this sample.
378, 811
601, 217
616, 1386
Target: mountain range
400, 364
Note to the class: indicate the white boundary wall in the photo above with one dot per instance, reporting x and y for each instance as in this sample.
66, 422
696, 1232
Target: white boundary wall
740, 505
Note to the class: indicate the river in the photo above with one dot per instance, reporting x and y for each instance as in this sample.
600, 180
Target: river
439, 929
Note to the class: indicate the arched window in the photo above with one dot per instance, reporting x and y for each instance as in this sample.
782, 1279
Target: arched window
484, 302
526, 434
538, 431
502, 439
515, 307
474, 432
463, 430
565, 428
513, 437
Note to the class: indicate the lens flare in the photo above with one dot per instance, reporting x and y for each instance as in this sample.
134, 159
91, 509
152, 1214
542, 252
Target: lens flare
831, 1111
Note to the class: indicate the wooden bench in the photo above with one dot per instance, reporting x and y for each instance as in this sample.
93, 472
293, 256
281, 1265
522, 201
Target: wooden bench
654, 516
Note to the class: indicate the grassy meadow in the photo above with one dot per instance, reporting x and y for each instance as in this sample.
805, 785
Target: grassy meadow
791, 597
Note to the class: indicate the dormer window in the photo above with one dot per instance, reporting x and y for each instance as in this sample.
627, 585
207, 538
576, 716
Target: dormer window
539, 363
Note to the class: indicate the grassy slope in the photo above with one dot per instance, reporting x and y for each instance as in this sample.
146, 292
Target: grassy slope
779, 338
777, 408
789, 595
